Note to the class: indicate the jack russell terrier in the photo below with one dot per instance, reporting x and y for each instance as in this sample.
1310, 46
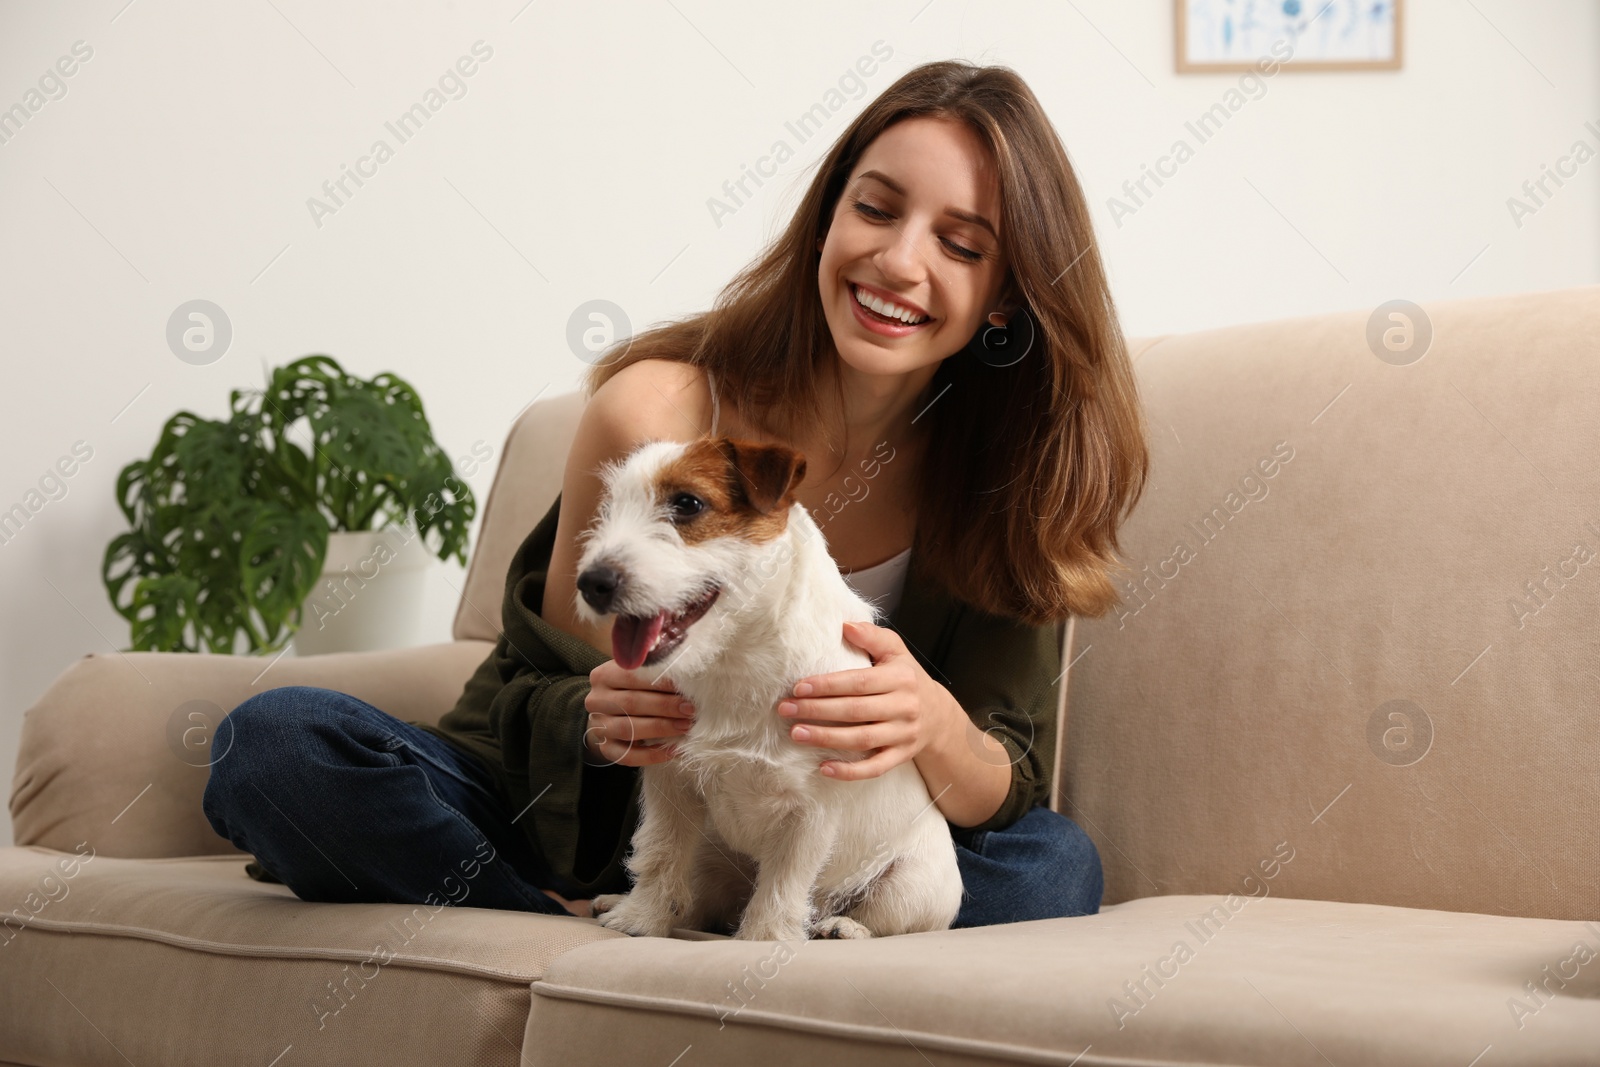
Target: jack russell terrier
716, 572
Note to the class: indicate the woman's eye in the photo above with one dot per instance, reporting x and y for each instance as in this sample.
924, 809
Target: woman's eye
686, 506
867, 210
964, 253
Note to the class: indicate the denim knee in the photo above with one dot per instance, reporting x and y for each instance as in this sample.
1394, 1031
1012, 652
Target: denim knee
1068, 858
1082, 877
256, 742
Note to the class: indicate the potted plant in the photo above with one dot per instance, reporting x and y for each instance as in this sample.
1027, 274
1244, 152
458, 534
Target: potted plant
232, 520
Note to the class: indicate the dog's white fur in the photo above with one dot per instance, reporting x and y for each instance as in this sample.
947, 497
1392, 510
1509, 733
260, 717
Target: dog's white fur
740, 818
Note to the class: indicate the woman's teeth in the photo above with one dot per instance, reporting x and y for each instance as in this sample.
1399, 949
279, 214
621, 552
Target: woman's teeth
886, 309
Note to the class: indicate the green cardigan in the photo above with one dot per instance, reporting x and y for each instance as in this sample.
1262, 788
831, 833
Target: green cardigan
522, 715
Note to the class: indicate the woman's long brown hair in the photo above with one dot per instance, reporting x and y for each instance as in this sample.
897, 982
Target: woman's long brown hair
1030, 467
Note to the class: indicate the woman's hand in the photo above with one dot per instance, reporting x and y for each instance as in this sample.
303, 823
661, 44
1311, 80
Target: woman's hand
629, 716
891, 709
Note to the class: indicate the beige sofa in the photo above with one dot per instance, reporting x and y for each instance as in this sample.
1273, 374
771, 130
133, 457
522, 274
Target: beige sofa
1340, 753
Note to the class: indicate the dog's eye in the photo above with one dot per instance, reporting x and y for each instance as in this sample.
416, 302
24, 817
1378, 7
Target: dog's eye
686, 506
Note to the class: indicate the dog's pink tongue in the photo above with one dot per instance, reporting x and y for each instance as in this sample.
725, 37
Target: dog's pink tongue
632, 637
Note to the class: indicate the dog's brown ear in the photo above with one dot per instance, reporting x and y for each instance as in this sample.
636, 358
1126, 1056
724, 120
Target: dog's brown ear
768, 474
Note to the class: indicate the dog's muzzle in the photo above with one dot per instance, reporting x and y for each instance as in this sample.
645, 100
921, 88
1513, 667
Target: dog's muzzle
640, 639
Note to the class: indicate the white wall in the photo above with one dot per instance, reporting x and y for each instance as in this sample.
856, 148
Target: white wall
579, 163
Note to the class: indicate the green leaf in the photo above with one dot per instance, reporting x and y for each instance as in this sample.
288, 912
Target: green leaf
161, 604
281, 560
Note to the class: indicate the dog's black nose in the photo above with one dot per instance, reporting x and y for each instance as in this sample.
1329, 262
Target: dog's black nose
598, 585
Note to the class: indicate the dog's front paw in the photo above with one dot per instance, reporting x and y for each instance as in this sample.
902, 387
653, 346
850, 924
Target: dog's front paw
631, 914
605, 902
841, 927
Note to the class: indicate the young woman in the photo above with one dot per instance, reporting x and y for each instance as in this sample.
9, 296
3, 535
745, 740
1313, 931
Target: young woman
935, 333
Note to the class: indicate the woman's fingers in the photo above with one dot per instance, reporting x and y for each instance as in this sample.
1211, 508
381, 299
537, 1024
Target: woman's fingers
856, 770
850, 738
636, 755
639, 754
638, 727
632, 740
854, 681
654, 754
637, 703
836, 709
611, 674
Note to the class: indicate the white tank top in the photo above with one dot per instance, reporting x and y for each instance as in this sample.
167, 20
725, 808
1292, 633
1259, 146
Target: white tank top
882, 583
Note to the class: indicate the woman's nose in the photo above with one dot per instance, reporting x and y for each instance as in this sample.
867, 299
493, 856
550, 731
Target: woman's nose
903, 260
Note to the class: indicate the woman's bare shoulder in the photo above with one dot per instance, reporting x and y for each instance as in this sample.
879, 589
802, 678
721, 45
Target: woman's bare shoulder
653, 398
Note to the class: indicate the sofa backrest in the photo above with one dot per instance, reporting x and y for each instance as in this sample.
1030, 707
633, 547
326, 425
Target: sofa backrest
1359, 659
526, 482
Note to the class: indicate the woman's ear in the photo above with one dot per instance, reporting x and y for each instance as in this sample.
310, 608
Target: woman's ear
1009, 301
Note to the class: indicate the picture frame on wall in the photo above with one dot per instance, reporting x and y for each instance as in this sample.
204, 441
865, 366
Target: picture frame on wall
1221, 36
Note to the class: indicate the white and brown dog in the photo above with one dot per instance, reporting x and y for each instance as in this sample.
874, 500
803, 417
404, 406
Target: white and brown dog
722, 580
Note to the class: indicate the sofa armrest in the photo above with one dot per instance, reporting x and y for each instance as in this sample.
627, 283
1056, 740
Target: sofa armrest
116, 751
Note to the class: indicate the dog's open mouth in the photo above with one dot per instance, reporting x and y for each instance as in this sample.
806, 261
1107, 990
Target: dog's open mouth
640, 639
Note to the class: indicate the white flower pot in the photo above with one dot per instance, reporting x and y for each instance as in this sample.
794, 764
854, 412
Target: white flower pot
370, 594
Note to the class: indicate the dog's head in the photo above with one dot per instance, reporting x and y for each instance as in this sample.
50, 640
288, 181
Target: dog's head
678, 526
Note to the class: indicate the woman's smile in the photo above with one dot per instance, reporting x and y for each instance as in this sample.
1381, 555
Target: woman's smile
877, 312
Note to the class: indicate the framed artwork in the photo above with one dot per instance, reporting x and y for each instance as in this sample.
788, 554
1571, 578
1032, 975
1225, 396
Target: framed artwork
1233, 35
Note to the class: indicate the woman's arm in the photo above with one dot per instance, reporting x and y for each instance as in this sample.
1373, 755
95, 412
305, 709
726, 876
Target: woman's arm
1006, 676
984, 746
967, 771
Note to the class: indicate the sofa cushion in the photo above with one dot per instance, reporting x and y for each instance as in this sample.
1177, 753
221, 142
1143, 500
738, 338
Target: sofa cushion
1247, 981
118, 750
1361, 617
190, 961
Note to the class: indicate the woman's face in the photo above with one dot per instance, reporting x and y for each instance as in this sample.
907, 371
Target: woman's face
917, 226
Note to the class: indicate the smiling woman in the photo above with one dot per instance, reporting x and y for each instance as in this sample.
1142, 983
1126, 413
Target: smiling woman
944, 223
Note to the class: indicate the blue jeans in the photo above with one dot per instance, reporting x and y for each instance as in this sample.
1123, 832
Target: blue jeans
344, 803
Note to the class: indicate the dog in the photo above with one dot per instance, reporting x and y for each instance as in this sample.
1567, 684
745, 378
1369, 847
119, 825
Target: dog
717, 574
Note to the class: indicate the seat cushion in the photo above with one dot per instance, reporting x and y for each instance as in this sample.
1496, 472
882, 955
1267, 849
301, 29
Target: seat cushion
1226, 980
190, 961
